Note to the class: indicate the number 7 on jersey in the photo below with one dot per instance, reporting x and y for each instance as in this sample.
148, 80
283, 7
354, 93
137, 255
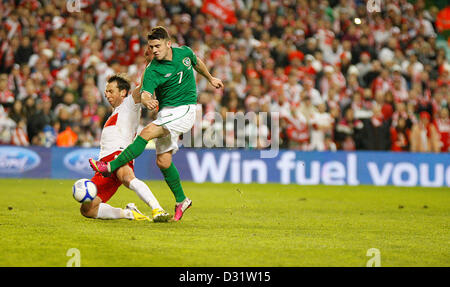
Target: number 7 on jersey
181, 76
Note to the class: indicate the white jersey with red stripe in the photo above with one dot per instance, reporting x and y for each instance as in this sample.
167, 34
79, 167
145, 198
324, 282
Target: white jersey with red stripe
121, 127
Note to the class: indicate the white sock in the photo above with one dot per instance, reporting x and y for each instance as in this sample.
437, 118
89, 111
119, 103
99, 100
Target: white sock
144, 193
106, 211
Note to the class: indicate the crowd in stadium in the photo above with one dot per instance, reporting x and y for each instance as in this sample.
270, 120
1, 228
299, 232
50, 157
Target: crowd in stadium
337, 76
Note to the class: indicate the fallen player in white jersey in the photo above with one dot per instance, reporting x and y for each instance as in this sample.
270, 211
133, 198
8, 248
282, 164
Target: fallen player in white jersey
119, 131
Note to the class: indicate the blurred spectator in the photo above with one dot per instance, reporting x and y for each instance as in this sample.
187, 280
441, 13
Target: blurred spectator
51, 133
24, 52
297, 131
400, 135
321, 128
29, 107
378, 131
69, 105
6, 96
57, 94
85, 138
362, 109
16, 113
42, 117
349, 131
66, 138
19, 135
424, 135
306, 109
443, 128
6, 126
311, 92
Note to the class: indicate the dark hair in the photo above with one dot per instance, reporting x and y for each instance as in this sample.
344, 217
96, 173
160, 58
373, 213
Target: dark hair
123, 83
158, 33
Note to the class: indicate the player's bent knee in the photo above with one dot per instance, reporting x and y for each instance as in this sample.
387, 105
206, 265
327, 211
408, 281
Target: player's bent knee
163, 163
87, 212
90, 210
125, 175
152, 131
126, 180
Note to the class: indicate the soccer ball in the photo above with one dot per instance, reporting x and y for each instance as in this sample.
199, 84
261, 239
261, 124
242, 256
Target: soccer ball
84, 190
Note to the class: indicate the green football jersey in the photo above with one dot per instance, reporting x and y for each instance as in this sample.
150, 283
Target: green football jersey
173, 81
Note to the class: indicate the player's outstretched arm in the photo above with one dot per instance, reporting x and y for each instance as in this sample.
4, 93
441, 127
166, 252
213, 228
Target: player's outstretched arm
137, 91
137, 94
203, 70
149, 100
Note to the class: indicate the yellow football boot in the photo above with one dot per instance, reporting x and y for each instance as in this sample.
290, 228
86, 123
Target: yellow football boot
136, 213
160, 215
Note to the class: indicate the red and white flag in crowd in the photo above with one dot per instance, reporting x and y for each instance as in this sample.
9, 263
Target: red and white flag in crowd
443, 19
222, 9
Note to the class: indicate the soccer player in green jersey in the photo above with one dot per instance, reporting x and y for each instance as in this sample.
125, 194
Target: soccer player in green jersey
170, 75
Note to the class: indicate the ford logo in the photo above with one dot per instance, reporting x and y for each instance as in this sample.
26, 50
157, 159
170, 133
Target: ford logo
78, 160
17, 159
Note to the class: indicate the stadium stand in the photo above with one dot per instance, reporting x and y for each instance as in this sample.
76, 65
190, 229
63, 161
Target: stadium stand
337, 76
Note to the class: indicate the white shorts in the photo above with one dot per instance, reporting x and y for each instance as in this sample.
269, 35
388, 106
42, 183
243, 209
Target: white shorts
177, 120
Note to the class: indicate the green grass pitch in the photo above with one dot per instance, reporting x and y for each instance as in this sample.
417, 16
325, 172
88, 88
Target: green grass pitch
230, 225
